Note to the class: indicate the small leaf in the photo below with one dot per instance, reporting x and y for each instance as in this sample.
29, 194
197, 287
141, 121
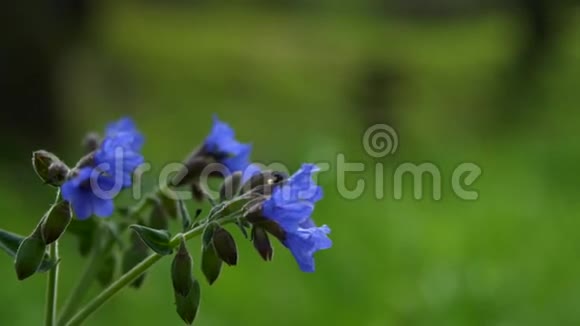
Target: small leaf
55, 222
211, 264
184, 215
84, 230
29, 256
157, 240
136, 253
181, 270
9, 243
187, 306
225, 246
106, 272
168, 204
262, 243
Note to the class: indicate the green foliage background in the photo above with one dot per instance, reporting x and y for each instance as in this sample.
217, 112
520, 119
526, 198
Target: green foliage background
283, 80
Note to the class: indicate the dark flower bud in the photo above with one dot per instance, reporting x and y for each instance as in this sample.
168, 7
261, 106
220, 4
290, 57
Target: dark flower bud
264, 182
191, 170
197, 192
187, 306
181, 270
158, 218
169, 205
211, 264
262, 243
225, 246
91, 142
135, 254
231, 186
49, 168
253, 213
29, 256
55, 222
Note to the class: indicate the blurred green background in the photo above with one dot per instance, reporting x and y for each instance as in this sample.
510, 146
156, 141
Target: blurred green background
495, 84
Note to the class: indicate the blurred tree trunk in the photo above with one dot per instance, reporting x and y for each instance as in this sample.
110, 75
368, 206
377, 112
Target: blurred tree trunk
35, 36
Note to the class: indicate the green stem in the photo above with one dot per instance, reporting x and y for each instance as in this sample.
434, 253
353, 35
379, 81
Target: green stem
52, 287
91, 269
133, 274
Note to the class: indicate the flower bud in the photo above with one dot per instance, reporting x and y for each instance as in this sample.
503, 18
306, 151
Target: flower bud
262, 243
29, 256
197, 192
231, 186
187, 306
181, 270
191, 170
49, 168
225, 246
211, 264
91, 142
264, 182
55, 222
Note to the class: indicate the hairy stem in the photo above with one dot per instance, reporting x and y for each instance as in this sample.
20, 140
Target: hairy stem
52, 287
134, 273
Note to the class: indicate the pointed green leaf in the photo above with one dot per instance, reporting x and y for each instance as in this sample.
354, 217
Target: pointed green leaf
29, 256
157, 240
181, 270
184, 214
134, 255
187, 306
211, 264
56, 222
9, 243
106, 272
169, 204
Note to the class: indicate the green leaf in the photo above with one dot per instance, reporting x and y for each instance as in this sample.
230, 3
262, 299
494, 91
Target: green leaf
211, 264
29, 256
55, 222
181, 270
9, 243
84, 230
157, 240
136, 253
184, 214
187, 306
262, 243
169, 204
106, 272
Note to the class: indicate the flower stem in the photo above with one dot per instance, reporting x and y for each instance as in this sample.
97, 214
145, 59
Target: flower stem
52, 287
91, 269
133, 274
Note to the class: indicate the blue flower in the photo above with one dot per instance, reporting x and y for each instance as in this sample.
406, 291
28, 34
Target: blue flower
92, 190
118, 160
80, 192
126, 129
224, 148
291, 206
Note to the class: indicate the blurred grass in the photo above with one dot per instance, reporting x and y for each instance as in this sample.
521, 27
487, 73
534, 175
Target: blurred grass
509, 258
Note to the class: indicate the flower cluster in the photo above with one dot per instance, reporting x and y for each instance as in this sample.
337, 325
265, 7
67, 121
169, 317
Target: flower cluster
92, 186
